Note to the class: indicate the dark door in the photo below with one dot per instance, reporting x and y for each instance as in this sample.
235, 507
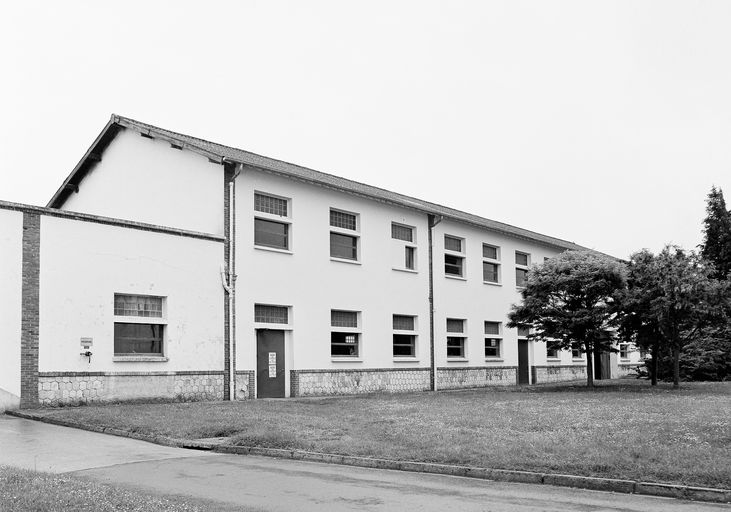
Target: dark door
270, 363
523, 362
602, 366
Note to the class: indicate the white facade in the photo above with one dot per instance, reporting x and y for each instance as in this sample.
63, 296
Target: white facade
185, 255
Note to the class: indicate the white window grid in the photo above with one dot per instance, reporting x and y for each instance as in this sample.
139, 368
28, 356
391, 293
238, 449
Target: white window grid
271, 204
268, 314
343, 220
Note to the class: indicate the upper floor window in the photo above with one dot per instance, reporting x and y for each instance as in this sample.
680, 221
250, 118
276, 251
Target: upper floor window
405, 234
271, 225
522, 262
454, 256
139, 325
267, 314
344, 240
624, 350
490, 263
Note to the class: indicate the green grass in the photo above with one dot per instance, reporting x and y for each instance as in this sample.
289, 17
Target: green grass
623, 429
25, 491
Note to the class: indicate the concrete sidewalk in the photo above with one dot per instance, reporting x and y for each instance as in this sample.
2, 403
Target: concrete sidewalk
280, 484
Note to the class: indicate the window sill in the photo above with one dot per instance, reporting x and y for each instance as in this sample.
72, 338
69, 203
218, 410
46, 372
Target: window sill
405, 359
342, 260
555, 359
575, 360
458, 278
457, 360
139, 359
346, 359
407, 270
272, 249
494, 360
491, 283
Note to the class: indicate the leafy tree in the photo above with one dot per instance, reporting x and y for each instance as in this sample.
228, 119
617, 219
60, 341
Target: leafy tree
569, 299
716, 246
669, 302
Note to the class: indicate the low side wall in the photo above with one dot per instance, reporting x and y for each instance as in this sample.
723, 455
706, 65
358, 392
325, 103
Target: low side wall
624, 369
351, 382
245, 384
476, 377
558, 373
71, 388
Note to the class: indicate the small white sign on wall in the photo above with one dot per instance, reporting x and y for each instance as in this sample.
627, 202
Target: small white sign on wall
272, 358
273, 371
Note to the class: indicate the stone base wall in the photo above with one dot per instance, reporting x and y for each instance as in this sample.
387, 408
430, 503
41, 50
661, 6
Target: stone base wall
245, 385
70, 388
624, 369
476, 377
351, 382
558, 373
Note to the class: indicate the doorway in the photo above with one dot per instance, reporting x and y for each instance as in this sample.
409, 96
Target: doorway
523, 368
269, 363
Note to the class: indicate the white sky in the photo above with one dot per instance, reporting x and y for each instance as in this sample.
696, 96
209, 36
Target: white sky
603, 123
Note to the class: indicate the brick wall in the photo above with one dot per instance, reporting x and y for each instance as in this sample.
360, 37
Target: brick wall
72, 388
476, 377
30, 310
351, 382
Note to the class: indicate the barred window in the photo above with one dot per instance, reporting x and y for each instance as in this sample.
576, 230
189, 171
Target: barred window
270, 204
492, 328
137, 305
455, 325
343, 220
452, 243
271, 314
403, 323
400, 232
340, 318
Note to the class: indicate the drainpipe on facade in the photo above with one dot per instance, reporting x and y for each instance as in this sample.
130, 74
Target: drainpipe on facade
230, 287
432, 221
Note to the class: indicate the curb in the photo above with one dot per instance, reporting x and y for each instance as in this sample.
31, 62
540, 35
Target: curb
503, 475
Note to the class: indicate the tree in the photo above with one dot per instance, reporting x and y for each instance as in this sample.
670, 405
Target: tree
716, 246
670, 302
568, 300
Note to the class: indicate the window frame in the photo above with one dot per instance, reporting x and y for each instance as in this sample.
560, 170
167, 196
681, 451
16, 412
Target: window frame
624, 349
262, 324
353, 234
346, 331
459, 258
494, 337
273, 218
457, 335
409, 247
521, 268
486, 260
160, 321
412, 333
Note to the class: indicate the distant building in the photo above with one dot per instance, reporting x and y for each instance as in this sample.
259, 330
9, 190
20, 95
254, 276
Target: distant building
168, 266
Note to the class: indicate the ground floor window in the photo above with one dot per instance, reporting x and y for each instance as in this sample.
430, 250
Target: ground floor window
404, 336
345, 336
493, 341
624, 351
139, 325
456, 341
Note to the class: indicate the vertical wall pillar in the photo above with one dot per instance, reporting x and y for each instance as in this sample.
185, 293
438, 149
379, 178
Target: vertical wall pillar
30, 313
228, 175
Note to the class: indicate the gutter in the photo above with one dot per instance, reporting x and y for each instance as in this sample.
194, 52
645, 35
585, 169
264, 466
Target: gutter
432, 221
228, 281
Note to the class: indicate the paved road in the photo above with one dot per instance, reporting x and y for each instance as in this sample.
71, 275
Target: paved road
274, 484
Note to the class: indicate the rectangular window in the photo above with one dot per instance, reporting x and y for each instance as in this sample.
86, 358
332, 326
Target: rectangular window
345, 341
270, 204
266, 314
552, 352
576, 353
489, 252
455, 344
452, 243
399, 232
343, 220
132, 337
404, 337
523, 332
522, 258
410, 257
490, 263
268, 233
493, 339
453, 265
624, 351
521, 277
343, 246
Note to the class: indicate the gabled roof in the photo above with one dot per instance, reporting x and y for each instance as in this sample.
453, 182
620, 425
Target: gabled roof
222, 154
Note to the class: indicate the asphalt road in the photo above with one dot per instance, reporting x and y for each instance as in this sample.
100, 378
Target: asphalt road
276, 484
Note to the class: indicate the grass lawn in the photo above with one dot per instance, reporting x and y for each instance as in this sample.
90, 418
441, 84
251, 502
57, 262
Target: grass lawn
623, 429
31, 491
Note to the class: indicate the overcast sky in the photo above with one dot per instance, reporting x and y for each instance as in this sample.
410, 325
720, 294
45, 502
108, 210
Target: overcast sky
603, 123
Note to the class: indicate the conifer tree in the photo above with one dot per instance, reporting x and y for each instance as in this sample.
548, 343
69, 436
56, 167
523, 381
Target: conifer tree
716, 246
